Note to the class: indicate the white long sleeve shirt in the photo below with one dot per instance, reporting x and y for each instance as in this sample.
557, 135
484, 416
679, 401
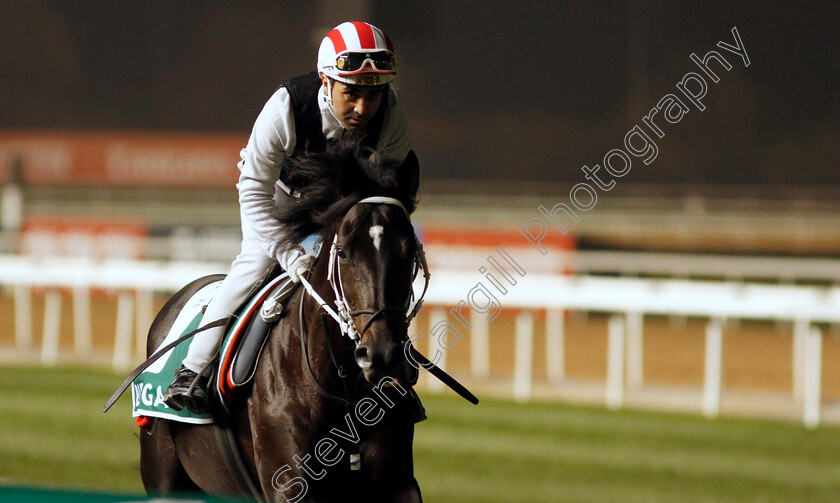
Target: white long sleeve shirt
273, 139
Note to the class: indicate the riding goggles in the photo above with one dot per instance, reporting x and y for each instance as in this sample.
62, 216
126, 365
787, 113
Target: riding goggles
380, 61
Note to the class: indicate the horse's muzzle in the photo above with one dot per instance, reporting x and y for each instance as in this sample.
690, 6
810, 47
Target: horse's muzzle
377, 360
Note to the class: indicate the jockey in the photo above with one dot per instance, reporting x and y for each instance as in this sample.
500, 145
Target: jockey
349, 93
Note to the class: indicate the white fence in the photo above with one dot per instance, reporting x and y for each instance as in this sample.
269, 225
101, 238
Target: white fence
627, 299
134, 281
685, 265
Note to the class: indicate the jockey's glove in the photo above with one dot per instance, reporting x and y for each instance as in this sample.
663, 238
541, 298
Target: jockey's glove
299, 267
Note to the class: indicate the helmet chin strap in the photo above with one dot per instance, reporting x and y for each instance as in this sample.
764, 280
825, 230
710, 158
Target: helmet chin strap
329, 100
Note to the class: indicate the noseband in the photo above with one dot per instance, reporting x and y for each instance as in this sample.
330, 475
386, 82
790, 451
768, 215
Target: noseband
342, 313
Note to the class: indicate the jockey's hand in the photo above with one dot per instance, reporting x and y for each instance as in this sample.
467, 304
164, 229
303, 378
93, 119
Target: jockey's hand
299, 267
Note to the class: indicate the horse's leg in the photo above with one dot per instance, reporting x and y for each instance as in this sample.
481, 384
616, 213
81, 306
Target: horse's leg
389, 447
160, 469
198, 452
282, 416
181, 457
408, 494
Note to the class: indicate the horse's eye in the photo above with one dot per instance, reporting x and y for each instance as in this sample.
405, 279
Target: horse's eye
341, 253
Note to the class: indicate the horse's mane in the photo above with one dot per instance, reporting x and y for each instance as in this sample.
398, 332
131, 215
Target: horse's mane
330, 183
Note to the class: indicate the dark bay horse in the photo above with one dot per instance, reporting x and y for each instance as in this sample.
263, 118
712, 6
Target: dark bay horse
328, 418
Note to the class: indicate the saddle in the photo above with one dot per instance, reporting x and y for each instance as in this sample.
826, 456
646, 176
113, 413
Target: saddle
245, 336
247, 333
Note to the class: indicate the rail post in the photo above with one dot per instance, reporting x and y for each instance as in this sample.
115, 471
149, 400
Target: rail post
144, 318
713, 368
635, 350
23, 317
801, 331
479, 345
813, 379
615, 362
436, 316
524, 356
122, 337
81, 320
555, 357
52, 327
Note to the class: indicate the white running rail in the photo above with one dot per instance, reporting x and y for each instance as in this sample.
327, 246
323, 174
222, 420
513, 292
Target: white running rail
628, 300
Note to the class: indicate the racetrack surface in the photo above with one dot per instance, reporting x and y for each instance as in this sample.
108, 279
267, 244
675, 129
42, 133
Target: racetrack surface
52, 434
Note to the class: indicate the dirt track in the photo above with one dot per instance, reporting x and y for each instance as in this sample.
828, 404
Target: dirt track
756, 355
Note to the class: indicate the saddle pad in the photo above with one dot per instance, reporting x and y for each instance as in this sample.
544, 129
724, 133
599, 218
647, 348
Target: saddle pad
148, 388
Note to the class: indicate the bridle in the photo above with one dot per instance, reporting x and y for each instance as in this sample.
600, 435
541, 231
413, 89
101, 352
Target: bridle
342, 313
344, 317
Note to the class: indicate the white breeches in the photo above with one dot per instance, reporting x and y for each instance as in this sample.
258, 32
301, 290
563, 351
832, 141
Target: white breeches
247, 269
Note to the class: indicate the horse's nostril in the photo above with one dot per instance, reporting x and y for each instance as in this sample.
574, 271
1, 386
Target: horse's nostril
363, 357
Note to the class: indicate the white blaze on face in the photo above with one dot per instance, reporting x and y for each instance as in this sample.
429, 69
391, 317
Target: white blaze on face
376, 233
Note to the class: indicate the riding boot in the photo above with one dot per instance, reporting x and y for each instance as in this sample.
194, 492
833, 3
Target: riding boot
189, 390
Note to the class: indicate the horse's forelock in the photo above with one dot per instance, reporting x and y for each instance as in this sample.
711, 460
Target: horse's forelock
332, 182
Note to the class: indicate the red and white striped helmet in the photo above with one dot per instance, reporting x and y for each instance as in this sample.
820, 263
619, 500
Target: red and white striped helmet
357, 53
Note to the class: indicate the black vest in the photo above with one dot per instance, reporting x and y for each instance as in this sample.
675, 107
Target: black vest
303, 93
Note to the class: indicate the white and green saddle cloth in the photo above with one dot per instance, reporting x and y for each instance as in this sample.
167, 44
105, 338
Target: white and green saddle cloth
148, 388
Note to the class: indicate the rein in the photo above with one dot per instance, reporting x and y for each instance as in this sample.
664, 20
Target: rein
154, 357
311, 373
